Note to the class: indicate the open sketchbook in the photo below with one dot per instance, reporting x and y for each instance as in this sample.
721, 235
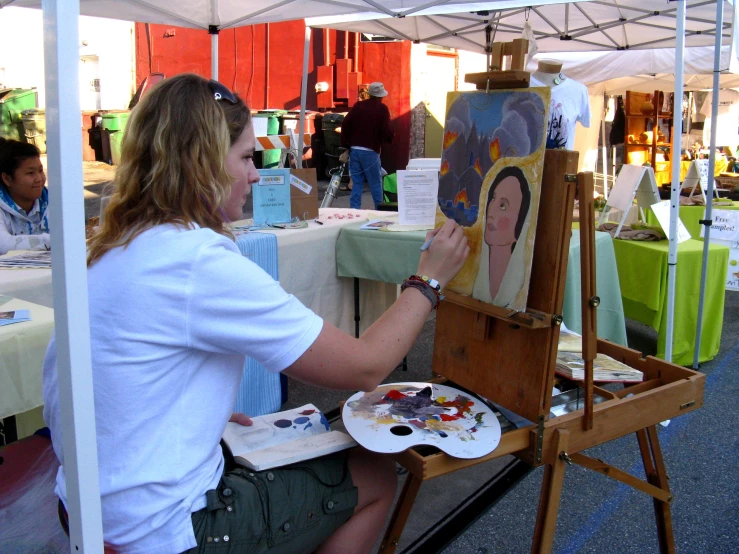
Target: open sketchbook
284, 438
571, 364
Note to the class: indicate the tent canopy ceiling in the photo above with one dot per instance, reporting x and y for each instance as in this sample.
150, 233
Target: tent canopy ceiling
645, 70
581, 26
223, 14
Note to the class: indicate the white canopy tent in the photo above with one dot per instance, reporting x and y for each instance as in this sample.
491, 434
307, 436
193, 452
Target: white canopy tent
647, 70
608, 25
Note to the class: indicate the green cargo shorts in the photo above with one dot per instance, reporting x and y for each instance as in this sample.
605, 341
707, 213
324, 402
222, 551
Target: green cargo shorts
288, 510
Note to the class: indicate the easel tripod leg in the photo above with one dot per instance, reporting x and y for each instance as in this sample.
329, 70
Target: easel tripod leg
551, 492
400, 514
654, 467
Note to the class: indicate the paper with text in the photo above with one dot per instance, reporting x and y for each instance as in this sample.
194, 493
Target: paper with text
417, 197
662, 211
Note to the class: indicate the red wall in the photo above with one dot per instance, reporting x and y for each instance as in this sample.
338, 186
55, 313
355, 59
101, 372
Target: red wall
246, 52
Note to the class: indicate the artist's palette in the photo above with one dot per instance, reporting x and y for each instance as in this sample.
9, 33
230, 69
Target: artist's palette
397, 416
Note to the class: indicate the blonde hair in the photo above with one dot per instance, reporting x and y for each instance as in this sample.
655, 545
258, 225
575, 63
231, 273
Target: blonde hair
172, 163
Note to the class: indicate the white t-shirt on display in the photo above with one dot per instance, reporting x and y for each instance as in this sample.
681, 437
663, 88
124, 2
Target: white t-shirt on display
172, 317
570, 103
727, 132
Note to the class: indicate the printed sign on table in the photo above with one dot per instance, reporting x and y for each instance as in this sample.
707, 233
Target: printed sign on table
725, 231
272, 197
662, 211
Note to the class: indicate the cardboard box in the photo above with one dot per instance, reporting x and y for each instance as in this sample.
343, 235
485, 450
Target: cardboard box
304, 193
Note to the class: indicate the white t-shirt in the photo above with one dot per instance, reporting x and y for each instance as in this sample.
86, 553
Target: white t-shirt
570, 103
727, 132
172, 317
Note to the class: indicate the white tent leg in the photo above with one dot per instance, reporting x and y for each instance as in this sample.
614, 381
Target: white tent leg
69, 268
214, 55
603, 154
303, 98
675, 192
213, 30
711, 169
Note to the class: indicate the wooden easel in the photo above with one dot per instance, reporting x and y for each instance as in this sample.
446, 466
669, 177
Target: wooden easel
509, 358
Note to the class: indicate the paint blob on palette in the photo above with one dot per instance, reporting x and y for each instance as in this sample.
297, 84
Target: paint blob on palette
396, 416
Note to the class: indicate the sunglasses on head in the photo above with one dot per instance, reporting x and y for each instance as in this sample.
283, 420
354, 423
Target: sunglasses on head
220, 92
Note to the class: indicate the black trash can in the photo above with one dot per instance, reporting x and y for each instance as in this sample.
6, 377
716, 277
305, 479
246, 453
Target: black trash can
332, 139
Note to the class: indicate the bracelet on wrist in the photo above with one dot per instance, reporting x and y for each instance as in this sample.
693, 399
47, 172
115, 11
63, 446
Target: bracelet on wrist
430, 288
425, 290
433, 283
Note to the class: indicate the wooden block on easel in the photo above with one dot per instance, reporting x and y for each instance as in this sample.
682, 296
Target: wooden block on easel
496, 77
499, 79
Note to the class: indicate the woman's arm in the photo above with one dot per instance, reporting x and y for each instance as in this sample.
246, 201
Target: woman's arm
339, 361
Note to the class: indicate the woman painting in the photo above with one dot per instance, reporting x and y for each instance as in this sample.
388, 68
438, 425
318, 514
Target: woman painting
174, 310
501, 274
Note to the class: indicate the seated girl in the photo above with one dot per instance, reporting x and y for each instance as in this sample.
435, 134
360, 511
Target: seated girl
24, 198
174, 310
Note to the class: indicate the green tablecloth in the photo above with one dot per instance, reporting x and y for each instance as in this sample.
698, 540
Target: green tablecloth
642, 272
690, 216
391, 257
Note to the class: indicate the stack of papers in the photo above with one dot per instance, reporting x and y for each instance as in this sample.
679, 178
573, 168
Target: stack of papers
27, 260
17, 316
570, 363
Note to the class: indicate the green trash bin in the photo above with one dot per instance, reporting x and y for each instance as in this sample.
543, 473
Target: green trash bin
34, 128
114, 125
271, 158
13, 101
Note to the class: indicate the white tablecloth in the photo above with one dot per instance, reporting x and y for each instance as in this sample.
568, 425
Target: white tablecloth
31, 285
23, 346
307, 265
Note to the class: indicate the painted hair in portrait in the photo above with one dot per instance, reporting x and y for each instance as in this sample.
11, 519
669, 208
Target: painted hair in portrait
490, 182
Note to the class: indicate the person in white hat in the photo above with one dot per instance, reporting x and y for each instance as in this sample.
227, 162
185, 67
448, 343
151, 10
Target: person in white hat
364, 130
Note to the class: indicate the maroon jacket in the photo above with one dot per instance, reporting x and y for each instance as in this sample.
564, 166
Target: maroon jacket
368, 125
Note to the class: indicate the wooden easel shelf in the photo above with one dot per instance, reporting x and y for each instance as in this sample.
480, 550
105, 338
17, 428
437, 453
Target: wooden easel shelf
533, 319
499, 79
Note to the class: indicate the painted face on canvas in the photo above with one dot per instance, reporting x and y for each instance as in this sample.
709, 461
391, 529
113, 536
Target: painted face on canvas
240, 165
502, 213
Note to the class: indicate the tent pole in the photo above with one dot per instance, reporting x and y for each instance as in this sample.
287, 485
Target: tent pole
69, 268
213, 30
303, 98
675, 192
711, 169
603, 149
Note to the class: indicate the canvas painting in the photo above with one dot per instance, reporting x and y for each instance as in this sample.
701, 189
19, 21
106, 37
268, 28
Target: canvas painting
490, 183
